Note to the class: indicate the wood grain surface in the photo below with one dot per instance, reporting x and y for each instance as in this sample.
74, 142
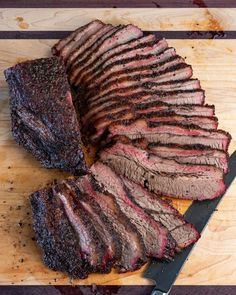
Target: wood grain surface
42, 19
213, 260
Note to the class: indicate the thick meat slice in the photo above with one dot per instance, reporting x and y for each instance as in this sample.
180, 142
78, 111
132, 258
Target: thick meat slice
44, 120
149, 52
107, 57
81, 51
191, 155
93, 250
171, 133
56, 236
131, 244
64, 46
183, 233
163, 176
189, 84
121, 36
156, 238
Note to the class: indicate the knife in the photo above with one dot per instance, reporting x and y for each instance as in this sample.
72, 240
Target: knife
164, 273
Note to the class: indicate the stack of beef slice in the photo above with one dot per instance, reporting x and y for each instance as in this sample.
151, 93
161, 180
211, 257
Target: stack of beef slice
137, 103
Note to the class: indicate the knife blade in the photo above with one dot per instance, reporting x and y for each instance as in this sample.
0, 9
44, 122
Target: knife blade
164, 273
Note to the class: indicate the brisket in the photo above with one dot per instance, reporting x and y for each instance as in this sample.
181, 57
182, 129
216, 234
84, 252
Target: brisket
43, 117
93, 250
191, 154
80, 52
121, 36
171, 133
156, 238
106, 58
131, 244
147, 55
183, 233
164, 176
177, 97
64, 46
56, 236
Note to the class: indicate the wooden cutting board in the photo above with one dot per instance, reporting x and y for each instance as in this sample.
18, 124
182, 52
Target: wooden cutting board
213, 260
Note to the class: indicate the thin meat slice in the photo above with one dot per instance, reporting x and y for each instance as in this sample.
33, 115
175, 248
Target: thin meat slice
202, 122
177, 97
185, 110
156, 238
81, 60
105, 228
65, 46
134, 72
131, 244
179, 72
79, 52
191, 154
56, 236
163, 176
127, 60
188, 85
121, 36
106, 57
171, 133
92, 248
184, 233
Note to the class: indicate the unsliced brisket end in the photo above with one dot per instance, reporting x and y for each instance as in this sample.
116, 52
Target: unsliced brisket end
163, 176
56, 236
171, 133
156, 238
131, 244
43, 117
183, 232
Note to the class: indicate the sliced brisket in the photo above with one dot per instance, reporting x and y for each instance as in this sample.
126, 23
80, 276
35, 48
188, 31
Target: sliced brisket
131, 244
183, 233
56, 236
44, 120
106, 58
123, 35
156, 238
191, 154
171, 133
163, 176
64, 46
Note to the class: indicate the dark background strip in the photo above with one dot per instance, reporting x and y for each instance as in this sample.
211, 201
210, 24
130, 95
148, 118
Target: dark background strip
117, 3
118, 290
159, 34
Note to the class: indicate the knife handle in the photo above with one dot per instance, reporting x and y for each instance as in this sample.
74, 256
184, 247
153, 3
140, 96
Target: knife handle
155, 291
